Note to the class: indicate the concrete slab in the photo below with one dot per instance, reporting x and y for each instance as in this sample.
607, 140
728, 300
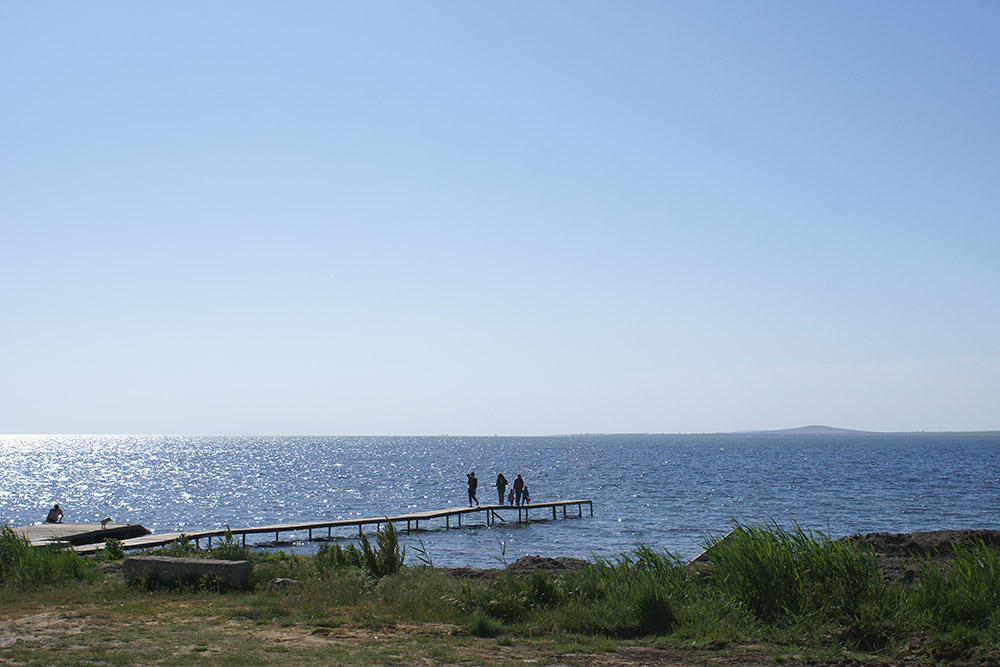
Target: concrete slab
229, 574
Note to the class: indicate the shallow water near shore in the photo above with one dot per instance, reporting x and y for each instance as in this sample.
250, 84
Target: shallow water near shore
669, 492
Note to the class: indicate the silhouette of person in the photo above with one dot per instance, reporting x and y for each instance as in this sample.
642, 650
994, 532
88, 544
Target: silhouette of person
501, 486
473, 483
518, 487
55, 514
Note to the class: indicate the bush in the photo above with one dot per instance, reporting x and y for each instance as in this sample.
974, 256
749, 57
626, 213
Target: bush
229, 549
383, 559
113, 549
481, 625
179, 548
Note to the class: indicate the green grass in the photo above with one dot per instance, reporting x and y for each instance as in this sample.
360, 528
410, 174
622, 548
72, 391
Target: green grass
801, 592
781, 576
21, 564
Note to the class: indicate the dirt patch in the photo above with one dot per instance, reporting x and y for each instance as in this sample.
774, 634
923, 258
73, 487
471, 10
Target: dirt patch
523, 565
897, 554
313, 636
42, 627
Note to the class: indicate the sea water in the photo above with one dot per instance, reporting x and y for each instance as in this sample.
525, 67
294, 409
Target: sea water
670, 492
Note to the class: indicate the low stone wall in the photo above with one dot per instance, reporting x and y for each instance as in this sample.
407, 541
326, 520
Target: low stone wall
166, 571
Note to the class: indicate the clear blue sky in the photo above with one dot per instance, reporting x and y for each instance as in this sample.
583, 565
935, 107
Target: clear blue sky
509, 217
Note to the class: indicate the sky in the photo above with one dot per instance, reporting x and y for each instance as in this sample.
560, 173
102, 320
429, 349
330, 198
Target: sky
517, 218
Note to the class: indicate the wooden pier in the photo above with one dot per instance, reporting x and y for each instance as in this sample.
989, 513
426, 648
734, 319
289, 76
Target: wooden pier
493, 514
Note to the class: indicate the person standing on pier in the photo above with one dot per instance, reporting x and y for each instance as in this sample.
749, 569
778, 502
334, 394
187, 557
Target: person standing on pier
518, 487
501, 485
473, 483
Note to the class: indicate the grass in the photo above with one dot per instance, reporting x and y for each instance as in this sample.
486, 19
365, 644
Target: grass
21, 564
798, 593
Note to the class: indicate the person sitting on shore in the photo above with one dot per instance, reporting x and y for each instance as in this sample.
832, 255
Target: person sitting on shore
55, 514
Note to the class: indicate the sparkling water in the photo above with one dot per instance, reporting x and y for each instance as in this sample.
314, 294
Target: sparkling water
668, 492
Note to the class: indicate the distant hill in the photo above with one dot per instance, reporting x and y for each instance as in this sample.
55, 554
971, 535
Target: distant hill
815, 430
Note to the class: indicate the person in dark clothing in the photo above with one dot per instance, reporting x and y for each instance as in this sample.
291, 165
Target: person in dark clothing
55, 515
501, 486
473, 483
518, 487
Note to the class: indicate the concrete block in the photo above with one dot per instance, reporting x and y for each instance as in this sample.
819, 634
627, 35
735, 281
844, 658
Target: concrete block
227, 574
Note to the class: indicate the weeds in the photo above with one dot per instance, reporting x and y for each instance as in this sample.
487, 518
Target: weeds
229, 549
762, 584
21, 563
967, 593
383, 559
780, 576
113, 549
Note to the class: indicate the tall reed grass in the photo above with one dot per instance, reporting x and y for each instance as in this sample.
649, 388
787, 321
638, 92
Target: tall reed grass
783, 575
966, 591
21, 563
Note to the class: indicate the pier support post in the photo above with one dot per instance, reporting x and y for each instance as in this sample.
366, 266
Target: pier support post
447, 521
553, 512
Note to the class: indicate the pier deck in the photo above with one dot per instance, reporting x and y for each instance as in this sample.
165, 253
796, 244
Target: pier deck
412, 520
79, 533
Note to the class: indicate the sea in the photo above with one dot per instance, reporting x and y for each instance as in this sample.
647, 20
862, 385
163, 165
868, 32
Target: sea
674, 493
